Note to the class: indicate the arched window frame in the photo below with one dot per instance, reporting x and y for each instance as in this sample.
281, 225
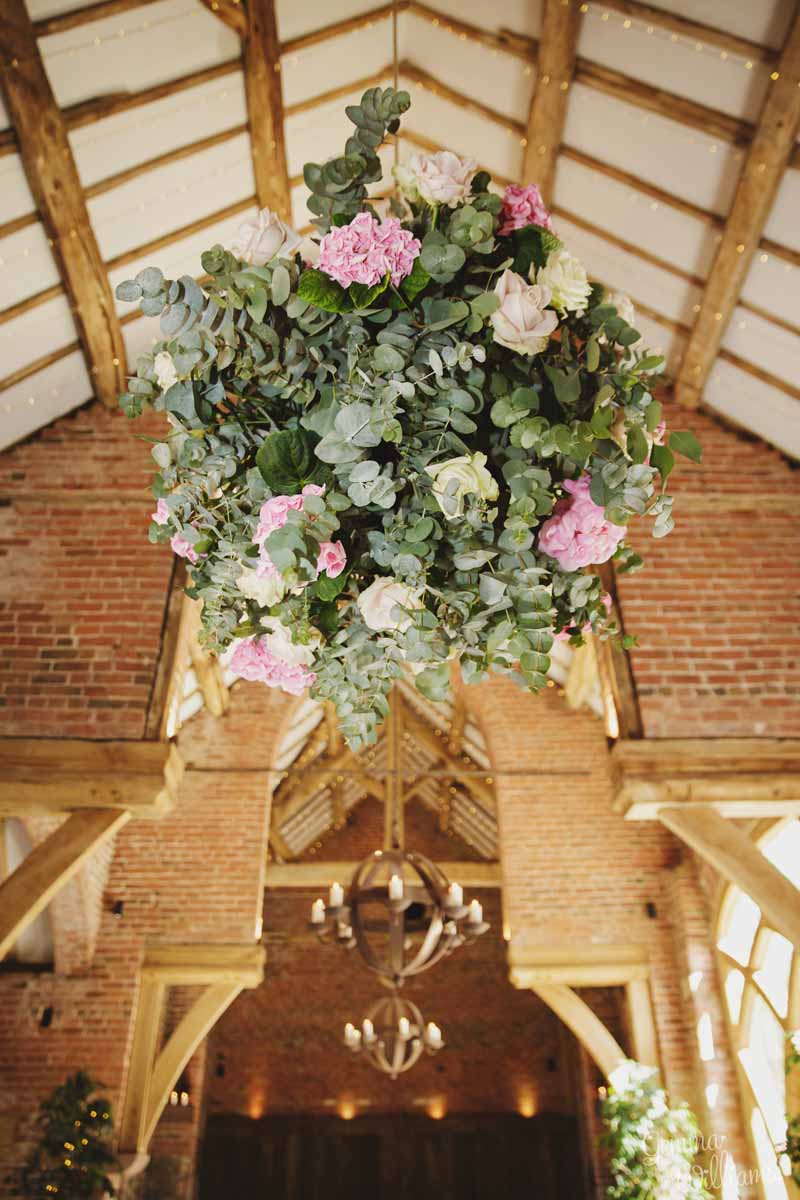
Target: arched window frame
771, 1185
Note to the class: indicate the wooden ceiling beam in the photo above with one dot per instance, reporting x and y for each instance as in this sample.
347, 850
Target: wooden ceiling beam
264, 93
762, 171
61, 22
56, 187
319, 873
555, 68
693, 31
231, 12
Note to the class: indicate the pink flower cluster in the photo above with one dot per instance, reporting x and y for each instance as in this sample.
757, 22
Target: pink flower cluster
254, 661
366, 249
183, 548
578, 533
273, 515
161, 515
523, 206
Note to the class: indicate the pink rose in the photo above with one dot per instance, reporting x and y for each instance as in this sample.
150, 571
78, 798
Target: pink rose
578, 532
366, 250
182, 548
274, 512
161, 515
523, 206
332, 559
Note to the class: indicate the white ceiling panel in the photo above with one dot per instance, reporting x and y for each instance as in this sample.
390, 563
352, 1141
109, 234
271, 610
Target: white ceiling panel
35, 333
119, 142
172, 196
669, 155
135, 50
296, 18
15, 195
43, 398
500, 81
657, 288
520, 16
635, 217
767, 411
335, 63
783, 225
27, 265
773, 283
765, 344
465, 132
764, 21
677, 66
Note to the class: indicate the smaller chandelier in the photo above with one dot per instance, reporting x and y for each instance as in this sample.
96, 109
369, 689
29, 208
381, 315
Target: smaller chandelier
392, 1036
399, 926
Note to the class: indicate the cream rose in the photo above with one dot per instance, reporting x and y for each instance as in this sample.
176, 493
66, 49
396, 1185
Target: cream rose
277, 641
623, 304
469, 475
265, 589
441, 178
261, 238
164, 367
521, 322
378, 602
564, 277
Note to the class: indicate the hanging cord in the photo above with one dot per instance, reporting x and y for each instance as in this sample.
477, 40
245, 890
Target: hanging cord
395, 75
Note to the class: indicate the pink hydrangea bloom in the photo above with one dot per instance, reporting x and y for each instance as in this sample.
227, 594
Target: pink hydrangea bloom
366, 249
161, 515
253, 660
274, 512
332, 559
659, 433
523, 206
578, 533
182, 548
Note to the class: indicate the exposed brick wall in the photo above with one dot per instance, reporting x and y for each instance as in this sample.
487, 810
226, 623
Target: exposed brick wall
717, 606
82, 592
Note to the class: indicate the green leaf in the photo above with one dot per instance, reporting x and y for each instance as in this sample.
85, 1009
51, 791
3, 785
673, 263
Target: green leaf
319, 289
281, 284
651, 363
592, 353
663, 460
434, 682
420, 530
533, 245
566, 384
328, 589
637, 445
257, 304
652, 415
364, 296
416, 282
387, 359
287, 462
685, 443
129, 291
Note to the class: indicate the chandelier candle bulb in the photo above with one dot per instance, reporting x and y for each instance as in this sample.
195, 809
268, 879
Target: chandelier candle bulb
455, 895
369, 1030
336, 896
433, 1036
475, 913
404, 1028
396, 887
318, 912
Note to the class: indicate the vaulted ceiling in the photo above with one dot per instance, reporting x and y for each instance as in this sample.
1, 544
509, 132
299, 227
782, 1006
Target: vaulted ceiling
669, 131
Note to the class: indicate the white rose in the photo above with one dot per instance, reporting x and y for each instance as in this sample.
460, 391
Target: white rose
278, 642
378, 602
565, 278
164, 367
261, 238
522, 322
441, 178
265, 589
469, 474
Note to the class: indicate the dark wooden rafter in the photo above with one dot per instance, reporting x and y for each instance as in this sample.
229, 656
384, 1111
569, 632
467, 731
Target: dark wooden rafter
616, 674
557, 52
763, 169
232, 12
55, 184
265, 107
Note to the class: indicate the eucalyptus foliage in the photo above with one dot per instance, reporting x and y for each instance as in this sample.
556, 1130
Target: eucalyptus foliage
286, 378
652, 1147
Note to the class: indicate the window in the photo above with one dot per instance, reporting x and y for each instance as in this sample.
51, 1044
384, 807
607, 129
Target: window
760, 972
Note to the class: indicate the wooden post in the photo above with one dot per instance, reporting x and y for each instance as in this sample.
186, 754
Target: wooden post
54, 181
393, 820
761, 175
262, 65
731, 852
623, 717
642, 1022
29, 889
561, 21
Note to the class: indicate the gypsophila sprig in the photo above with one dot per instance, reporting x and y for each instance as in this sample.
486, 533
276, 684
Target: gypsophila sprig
405, 444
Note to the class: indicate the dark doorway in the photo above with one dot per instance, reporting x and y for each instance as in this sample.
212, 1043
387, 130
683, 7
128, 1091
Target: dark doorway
391, 1158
